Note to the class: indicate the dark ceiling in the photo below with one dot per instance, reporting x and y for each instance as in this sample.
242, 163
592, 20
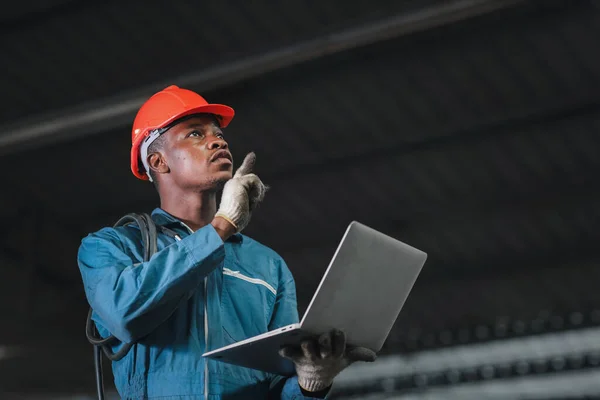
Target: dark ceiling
468, 129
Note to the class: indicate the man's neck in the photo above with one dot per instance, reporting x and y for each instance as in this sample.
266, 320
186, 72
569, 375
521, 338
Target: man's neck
193, 209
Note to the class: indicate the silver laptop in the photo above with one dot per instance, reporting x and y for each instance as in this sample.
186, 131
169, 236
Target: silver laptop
361, 293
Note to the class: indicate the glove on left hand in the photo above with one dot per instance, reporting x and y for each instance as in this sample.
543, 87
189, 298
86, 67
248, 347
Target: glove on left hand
319, 361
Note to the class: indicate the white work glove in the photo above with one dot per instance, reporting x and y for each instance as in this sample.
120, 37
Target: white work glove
319, 361
241, 195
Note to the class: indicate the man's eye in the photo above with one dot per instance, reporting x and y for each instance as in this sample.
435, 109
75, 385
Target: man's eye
195, 134
220, 136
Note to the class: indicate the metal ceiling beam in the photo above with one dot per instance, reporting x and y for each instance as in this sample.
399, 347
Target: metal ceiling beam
482, 132
22, 14
119, 111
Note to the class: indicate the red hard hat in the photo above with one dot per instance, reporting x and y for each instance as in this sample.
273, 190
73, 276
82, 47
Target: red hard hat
165, 107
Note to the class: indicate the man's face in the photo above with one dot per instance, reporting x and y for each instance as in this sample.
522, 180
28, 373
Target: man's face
197, 154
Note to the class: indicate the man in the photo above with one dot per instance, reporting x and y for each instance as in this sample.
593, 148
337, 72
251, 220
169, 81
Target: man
209, 286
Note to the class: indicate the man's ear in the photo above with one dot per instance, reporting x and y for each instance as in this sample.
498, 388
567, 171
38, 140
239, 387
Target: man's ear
157, 163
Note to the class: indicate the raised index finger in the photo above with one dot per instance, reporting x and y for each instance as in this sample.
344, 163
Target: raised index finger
247, 165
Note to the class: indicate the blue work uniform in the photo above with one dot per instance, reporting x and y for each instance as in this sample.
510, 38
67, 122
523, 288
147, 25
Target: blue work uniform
194, 295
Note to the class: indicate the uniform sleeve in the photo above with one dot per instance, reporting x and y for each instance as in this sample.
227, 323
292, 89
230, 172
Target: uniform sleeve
133, 299
286, 313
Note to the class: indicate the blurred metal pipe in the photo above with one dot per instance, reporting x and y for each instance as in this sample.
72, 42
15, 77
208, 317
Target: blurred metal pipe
559, 346
110, 113
582, 384
515, 368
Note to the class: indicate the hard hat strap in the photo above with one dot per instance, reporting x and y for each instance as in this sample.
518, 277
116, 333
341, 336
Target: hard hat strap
144, 148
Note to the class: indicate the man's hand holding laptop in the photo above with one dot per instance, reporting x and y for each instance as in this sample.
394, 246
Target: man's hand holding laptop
320, 360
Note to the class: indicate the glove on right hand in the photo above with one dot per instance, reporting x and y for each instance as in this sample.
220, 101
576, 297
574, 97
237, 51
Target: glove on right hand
241, 195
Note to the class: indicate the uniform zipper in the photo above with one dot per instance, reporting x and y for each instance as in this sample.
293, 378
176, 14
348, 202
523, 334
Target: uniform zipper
205, 338
205, 327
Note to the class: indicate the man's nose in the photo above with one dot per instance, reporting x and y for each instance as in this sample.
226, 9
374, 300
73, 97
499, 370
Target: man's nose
217, 143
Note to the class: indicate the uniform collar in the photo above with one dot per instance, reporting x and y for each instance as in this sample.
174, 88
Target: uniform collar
163, 218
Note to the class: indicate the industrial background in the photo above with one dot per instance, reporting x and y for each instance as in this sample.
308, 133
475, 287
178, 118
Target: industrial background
467, 128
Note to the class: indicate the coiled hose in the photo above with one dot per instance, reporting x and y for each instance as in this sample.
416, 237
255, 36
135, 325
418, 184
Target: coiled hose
103, 345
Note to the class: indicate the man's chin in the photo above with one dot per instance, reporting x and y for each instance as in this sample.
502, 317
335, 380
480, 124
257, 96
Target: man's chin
221, 179
220, 184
